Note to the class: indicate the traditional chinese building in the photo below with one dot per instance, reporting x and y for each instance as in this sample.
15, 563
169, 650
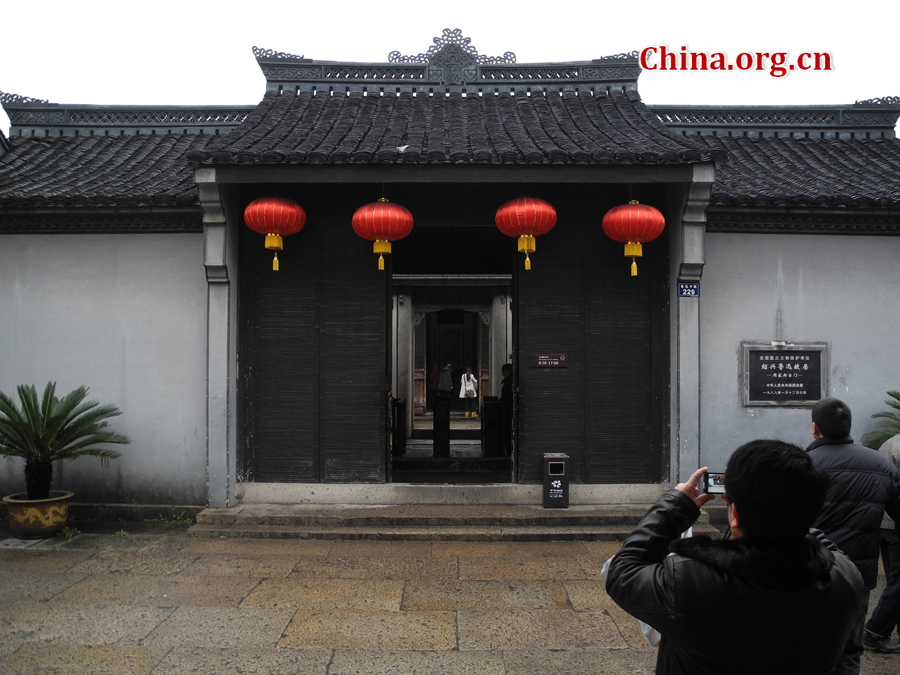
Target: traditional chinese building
126, 265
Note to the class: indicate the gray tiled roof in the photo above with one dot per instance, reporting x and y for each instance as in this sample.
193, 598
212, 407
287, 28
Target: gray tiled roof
551, 128
155, 169
806, 172
99, 171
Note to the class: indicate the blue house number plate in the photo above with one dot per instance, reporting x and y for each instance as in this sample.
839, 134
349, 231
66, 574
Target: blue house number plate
689, 290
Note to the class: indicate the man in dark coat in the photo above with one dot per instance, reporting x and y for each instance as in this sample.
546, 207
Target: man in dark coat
863, 486
445, 381
777, 598
886, 615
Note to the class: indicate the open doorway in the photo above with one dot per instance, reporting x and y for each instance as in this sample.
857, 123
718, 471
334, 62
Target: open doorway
453, 340
452, 346
451, 290
443, 327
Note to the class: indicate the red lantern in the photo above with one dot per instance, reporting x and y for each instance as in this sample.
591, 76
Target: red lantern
525, 218
382, 222
632, 224
275, 217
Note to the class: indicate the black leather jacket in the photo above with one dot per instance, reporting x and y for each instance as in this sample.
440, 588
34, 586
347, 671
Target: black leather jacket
735, 606
864, 485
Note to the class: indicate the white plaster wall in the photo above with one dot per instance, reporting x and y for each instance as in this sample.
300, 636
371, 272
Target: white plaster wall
125, 315
844, 290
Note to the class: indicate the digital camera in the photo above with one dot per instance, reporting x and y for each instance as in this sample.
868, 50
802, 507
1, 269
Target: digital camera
714, 484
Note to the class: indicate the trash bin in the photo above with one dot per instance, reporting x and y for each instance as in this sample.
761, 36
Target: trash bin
556, 480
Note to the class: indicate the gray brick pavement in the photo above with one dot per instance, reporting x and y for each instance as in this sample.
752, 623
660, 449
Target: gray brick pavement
170, 604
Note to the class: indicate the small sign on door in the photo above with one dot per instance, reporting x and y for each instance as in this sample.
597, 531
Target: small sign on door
549, 361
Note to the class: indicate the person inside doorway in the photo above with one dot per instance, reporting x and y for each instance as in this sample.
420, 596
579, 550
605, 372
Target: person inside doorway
468, 390
445, 382
506, 385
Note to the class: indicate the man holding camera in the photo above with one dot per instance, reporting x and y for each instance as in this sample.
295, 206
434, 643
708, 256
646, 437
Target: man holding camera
864, 485
774, 599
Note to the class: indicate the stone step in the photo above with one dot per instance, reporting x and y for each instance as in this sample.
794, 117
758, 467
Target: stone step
426, 521
433, 533
406, 515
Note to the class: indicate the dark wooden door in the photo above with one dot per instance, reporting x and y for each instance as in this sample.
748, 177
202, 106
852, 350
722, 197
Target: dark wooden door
313, 357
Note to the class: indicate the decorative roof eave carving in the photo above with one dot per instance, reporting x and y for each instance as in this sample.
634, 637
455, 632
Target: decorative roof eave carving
86, 220
826, 121
877, 220
40, 118
322, 75
451, 63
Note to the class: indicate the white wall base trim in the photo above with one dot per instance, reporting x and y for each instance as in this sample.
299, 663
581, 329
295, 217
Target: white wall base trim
407, 493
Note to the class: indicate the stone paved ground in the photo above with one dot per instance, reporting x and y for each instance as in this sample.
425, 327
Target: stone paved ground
167, 603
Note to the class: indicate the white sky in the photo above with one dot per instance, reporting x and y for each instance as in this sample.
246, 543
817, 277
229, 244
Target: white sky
186, 52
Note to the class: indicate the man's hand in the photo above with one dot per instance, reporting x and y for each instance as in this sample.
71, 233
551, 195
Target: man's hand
691, 490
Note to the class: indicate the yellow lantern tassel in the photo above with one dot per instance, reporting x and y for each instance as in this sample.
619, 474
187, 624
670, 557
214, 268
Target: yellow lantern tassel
275, 263
381, 246
526, 246
633, 248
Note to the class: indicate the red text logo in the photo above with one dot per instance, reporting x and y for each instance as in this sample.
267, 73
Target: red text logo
778, 64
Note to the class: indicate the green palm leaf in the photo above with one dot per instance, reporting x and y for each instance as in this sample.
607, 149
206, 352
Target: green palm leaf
884, 430
43, 431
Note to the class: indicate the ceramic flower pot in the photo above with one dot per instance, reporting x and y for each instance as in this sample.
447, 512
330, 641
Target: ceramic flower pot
37, 518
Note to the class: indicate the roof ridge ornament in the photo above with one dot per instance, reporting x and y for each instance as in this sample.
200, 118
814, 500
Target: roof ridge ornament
451, 37
261, 53
6, 98
887, 100
619, 57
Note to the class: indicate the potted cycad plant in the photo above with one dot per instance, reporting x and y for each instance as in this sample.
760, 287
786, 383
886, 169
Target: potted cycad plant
888, 428
42, 432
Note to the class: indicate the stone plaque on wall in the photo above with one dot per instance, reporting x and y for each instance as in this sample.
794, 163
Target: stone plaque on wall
783, 374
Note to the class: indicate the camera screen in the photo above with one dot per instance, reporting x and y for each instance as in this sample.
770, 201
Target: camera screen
715, 483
